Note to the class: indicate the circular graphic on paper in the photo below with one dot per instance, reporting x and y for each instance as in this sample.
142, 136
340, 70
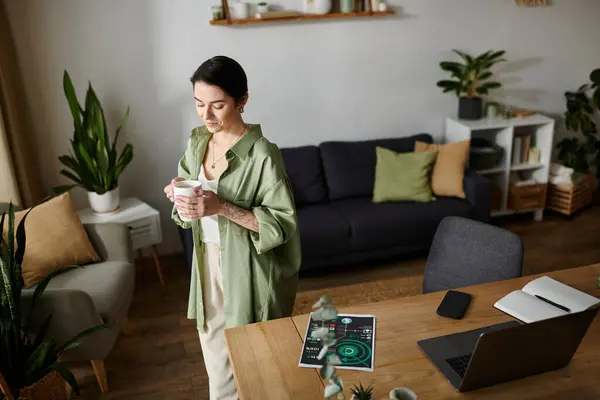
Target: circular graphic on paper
354, 353
346, 320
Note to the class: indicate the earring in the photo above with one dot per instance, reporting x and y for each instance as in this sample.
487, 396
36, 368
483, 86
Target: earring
241, 110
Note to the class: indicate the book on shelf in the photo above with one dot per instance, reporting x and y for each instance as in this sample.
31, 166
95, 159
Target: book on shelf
525, 147
516, 150
545, 298
521, 147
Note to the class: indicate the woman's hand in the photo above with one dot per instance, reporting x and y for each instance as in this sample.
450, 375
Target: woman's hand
204, 204
169, 188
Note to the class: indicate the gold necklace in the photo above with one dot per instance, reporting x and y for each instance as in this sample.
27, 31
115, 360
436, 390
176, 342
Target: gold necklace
238, 138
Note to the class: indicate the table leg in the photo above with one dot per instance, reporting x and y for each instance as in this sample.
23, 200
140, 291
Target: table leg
158, 266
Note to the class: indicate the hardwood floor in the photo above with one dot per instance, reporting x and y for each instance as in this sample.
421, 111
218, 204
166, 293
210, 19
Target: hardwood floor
161, 357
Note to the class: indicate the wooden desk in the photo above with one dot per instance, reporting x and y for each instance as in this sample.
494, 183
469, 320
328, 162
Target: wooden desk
265, 355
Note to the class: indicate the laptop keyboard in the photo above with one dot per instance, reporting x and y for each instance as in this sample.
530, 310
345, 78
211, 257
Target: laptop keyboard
459, 364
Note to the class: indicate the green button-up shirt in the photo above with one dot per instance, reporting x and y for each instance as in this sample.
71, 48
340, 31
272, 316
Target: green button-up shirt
260, 270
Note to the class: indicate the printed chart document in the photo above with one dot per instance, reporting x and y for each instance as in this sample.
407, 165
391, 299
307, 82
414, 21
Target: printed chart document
356, 347
545, 298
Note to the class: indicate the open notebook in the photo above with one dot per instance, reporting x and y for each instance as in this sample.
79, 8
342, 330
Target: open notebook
545, 298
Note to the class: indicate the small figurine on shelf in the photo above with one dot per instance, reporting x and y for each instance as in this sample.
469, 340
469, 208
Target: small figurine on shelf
217, 12
382, 7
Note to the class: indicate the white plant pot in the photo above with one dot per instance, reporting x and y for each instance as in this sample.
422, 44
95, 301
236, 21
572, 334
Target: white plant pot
322, 6
104, 203
263, 9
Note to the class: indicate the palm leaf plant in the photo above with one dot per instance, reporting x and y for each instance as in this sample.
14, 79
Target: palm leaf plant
580, 118
470, 79
93, 162
26, 356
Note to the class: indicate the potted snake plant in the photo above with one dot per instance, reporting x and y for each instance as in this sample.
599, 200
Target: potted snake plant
29, 367
94, 162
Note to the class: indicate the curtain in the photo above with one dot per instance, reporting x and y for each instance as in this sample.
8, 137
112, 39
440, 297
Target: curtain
19, 173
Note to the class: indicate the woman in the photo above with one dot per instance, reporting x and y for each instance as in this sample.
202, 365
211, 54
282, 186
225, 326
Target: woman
246, 241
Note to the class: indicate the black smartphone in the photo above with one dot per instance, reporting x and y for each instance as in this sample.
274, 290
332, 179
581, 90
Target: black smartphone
454, 304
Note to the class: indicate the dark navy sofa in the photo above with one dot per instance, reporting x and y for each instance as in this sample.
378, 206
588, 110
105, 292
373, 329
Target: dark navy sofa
340, 225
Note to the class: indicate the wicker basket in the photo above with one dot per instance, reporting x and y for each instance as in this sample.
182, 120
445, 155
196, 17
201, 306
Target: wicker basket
571, 198
50, 387
527, 197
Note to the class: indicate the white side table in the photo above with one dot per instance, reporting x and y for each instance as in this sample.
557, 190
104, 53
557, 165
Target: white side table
142, 220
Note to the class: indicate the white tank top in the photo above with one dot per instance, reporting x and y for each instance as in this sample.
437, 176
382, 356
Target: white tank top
210, 225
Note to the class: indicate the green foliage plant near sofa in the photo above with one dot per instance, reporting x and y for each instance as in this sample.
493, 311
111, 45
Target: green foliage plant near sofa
403, 176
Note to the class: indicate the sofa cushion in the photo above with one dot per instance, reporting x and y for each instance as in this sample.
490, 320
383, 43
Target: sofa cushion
109, 284
305, 170
323, 231
449, 168
403, 176
396, 224
350, 166
55, 239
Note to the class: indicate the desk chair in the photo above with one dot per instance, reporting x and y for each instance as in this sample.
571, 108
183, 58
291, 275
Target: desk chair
466, 252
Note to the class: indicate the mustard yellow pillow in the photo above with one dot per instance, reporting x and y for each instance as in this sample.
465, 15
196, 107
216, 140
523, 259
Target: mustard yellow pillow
55, 239
449, 168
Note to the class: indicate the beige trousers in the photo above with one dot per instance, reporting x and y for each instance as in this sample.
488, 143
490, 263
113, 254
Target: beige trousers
214, 349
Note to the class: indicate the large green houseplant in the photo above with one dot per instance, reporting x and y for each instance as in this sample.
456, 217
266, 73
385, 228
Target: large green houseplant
580, 118
94, 162
469, 80
26, 357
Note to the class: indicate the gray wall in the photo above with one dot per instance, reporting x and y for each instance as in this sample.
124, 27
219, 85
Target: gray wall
309, 82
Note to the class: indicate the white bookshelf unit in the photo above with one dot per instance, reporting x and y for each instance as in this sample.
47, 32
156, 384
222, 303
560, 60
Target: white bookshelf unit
502, 132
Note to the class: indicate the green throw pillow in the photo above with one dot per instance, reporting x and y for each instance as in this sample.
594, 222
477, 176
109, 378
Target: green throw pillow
403, 176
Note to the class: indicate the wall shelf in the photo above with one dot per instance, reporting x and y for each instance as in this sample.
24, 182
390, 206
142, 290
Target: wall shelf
302, 17
229, 21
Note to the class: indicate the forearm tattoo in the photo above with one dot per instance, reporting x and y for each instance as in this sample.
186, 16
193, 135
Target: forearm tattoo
240, 216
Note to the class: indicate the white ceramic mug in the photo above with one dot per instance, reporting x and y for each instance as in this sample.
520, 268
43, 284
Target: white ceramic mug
185, 188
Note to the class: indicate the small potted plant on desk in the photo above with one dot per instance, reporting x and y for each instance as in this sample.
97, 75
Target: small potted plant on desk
361, 393
94, 163
469, 80
29, 366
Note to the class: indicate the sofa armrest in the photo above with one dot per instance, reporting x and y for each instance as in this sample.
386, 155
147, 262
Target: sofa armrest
73, 311
112, 241
478, 190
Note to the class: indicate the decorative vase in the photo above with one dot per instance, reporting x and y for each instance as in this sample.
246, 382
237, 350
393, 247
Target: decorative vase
104, 203
402, 393
241, 10
322, 6
347, 6
50, 387
470, 108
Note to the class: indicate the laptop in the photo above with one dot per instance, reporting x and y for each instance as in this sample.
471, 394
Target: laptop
508, 351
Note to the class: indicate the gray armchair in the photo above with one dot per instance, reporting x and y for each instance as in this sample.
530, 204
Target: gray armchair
466, 252
94, 294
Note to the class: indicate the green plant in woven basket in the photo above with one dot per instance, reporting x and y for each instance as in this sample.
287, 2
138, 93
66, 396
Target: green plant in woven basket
94, 163
25, 356
362, 393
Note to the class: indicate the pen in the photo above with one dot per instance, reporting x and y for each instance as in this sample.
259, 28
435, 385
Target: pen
553, 303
